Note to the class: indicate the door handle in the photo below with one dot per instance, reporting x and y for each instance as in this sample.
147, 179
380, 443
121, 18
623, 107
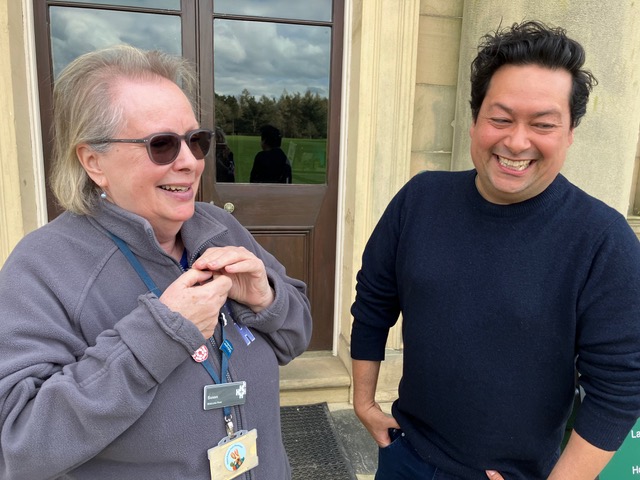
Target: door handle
229, 207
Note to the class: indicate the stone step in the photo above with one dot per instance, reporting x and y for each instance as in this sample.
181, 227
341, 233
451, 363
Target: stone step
314, 377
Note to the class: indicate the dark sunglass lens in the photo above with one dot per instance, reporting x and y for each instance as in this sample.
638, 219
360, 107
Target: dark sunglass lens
164, 148
199, 142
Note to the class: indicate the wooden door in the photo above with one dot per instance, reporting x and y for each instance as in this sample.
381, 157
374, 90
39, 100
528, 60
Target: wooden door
282, 69
296, 223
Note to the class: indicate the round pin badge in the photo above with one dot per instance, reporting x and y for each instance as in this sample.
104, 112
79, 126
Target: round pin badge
201, 354
235, 456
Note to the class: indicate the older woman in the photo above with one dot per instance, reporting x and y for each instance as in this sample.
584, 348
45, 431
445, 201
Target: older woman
140, 329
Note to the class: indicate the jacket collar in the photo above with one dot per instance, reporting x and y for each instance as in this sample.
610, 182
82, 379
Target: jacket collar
198, 233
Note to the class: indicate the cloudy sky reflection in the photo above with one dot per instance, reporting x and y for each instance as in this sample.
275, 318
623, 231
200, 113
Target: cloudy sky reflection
168, 4
264, 58
76, 31
269, 58
318, 10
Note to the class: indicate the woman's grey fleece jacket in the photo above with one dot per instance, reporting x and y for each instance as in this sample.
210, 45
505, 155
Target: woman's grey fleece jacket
96, 375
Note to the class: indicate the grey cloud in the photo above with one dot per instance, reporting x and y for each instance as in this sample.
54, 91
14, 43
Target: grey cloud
77, 31
264, 58
319, 10
269, 58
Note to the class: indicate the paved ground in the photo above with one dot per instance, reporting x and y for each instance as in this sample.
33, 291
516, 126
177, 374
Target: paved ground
361, 449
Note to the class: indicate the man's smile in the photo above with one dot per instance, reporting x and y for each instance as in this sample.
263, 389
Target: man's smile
517, 165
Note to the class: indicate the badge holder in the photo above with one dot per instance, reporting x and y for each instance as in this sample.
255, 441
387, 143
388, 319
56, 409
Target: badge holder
234, 455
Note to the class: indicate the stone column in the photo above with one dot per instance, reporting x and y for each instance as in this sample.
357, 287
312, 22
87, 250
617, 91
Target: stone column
21, 179
381, 38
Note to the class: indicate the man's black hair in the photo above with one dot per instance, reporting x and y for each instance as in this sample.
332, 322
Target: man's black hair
532, 43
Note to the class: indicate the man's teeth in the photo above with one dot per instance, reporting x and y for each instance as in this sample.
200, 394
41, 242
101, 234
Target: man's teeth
513, 164
173, 188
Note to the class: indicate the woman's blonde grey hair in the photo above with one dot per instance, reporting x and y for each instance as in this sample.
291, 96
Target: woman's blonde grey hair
84, 111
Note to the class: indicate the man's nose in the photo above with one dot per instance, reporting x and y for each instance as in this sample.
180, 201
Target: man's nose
518, 139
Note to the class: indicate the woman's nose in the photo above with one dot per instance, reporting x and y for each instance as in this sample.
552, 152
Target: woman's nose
185, 158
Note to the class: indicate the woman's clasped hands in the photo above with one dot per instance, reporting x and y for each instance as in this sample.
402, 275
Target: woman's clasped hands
219, 273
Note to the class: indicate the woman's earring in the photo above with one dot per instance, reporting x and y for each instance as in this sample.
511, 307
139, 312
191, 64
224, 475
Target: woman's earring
103, 195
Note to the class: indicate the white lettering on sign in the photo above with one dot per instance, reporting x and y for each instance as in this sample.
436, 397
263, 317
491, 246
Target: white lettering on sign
635, 434
635, 470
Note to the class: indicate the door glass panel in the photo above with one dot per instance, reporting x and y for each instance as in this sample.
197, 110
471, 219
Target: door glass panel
165, 4
319, 10
278, 75
75, 31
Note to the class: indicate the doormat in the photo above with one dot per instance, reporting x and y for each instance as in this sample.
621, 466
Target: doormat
312, 444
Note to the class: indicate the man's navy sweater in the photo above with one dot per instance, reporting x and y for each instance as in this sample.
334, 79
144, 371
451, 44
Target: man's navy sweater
500, 303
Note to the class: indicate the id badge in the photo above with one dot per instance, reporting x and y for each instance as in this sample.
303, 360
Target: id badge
234, 455
224, 395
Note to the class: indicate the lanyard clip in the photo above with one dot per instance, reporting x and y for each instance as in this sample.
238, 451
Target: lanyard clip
229, 424
245, 333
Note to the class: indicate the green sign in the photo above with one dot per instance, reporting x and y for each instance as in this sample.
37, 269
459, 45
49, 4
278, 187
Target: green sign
625, 464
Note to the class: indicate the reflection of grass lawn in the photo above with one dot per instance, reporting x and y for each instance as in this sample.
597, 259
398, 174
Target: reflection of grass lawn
307, 156
308, 177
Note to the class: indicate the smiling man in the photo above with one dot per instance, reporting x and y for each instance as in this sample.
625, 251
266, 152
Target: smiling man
509, 279
520, 136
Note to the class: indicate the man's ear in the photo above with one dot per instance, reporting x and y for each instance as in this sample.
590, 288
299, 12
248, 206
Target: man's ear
90, 161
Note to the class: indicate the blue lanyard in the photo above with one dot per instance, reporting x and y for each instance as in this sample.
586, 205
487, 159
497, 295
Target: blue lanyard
144, 276
226, 347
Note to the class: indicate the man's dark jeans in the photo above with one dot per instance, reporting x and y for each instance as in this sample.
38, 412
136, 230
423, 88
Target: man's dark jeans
399, 461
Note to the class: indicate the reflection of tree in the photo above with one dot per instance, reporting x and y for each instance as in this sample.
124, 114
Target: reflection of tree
297, 115
249, 120
227, 111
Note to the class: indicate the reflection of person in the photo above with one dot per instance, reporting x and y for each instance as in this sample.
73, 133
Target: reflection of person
271, 165
508, 277
225, 166
106, 311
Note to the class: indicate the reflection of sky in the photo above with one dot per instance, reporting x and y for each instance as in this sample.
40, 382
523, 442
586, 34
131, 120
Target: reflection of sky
319, 10
75, 31
264, 58
169, 4
268, 58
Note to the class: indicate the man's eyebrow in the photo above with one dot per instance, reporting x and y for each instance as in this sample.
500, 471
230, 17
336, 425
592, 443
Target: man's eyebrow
542, 113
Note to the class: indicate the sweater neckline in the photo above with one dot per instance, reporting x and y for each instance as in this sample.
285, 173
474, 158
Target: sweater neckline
541, 202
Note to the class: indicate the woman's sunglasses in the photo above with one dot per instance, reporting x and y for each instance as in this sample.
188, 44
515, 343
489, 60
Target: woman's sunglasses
163, 148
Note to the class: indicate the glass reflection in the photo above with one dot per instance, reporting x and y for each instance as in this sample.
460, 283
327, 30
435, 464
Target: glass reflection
75, 31
164, 4
318, 10
277, 75
271, 164
225, 165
